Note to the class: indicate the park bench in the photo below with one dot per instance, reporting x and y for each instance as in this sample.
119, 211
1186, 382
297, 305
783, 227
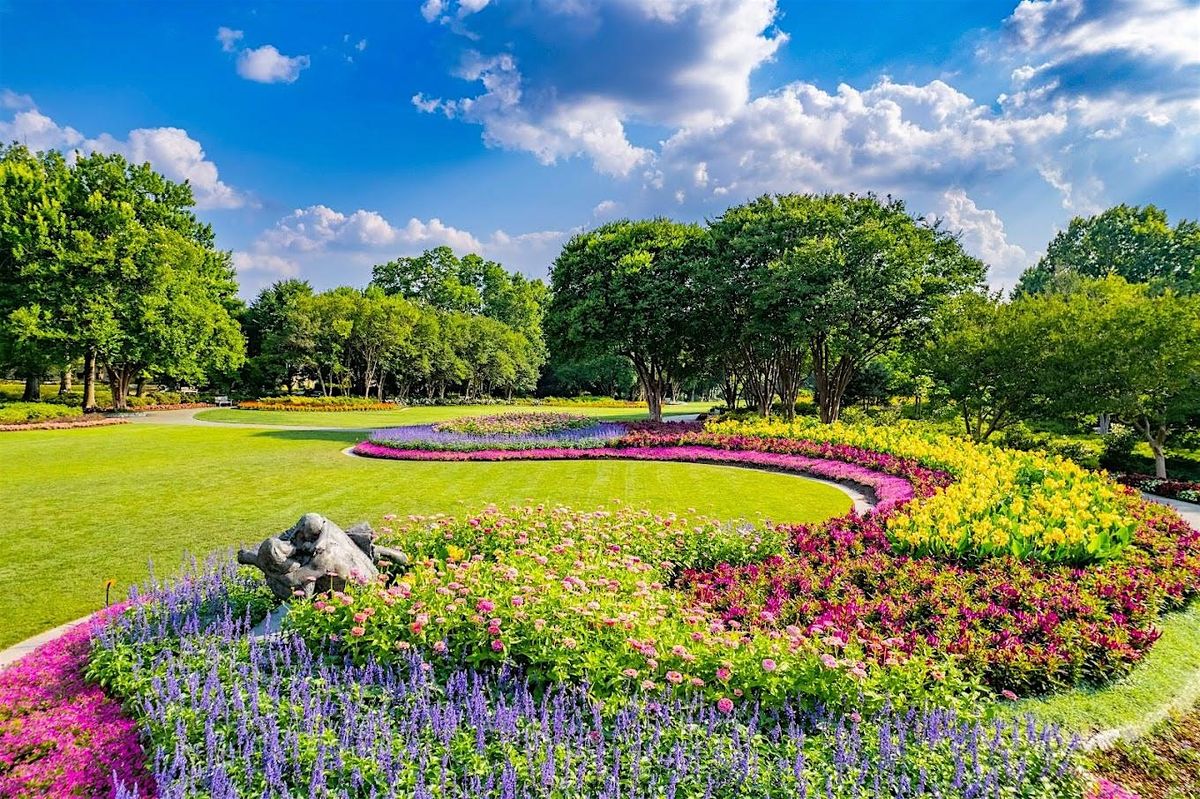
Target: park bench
223, 402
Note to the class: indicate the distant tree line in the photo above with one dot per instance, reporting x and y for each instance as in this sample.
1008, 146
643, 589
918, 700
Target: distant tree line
425, 326
105, 269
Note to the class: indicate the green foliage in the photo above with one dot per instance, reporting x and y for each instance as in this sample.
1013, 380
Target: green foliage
1133, 242
470, 284
844, 277
370, 342
31, 412
1117, 452
630, 289
105, 259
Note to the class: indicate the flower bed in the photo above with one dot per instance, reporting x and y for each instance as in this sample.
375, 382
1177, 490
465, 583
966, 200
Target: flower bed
23, 413
229, 716
889, 491
515, 424
59, 735
316, 404
426, 439
67, 424
1022, 619
1184, 490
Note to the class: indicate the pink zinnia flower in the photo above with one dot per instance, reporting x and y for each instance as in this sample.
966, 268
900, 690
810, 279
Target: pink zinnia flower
497, 645
674, 677
358, 632
725, 704
485, 606
829, 661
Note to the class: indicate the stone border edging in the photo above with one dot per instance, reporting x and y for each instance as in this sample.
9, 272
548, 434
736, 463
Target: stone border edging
17, 651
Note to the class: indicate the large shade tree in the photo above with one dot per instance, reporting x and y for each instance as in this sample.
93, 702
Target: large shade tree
629, 288
147, 288
846, 277
105, 260
1133, 352
34, 230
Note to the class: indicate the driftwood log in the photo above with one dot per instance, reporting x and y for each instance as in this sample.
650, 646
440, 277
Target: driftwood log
315, 555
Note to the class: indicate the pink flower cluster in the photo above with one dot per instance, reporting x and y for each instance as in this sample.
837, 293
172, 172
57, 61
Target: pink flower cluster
889, 490
61, 736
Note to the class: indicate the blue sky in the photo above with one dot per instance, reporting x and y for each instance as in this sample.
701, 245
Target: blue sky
324, 137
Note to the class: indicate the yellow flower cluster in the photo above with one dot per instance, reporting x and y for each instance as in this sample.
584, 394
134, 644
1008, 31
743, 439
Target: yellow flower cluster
1024, 504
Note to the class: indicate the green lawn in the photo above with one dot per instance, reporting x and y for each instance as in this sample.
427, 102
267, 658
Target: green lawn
80, 506
421, 415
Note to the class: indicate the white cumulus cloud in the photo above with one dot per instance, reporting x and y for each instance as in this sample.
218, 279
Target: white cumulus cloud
578, 97
169, 150
267, 65
983, 235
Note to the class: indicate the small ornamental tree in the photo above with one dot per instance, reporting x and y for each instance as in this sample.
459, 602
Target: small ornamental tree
1148, 346
628, 288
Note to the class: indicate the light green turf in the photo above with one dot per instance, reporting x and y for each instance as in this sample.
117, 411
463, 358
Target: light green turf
421, 415
80, 506
1168, 678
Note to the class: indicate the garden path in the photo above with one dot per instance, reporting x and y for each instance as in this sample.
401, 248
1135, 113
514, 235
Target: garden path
1190, 511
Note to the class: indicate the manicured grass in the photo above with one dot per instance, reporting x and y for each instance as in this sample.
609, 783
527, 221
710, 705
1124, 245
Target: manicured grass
421, 415
81, 506
1168, 679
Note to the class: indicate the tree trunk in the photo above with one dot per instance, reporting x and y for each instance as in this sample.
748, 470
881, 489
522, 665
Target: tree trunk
1157, 440
140, 390
33, 389
653, 387
830, 379
1160, 460
119, 378
89, 381
65, 381
788, 376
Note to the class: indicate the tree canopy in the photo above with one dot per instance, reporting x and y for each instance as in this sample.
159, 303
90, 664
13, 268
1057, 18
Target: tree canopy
1136, 243
628, 288
105, 260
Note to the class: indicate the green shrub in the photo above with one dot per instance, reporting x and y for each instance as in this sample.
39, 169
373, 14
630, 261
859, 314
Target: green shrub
34, 412
1117, 454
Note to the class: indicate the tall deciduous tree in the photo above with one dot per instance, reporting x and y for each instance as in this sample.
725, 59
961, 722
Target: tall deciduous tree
846, 276
629, 288
1134, 352
147, 289
993, 361
1136, 243
34, 230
